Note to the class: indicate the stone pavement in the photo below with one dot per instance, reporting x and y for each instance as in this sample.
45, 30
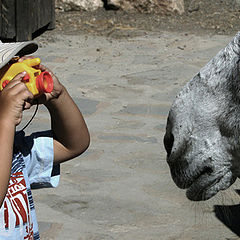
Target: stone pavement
121, 187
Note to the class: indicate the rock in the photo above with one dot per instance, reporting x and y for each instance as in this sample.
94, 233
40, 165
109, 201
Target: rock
149, 6
145, 6
75, 5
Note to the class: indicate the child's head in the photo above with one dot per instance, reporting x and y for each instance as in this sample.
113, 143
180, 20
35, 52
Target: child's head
10, 50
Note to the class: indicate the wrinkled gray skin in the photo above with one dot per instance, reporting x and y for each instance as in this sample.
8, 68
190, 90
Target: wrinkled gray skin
202, 137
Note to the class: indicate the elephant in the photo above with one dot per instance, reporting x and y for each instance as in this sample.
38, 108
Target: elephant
202, 138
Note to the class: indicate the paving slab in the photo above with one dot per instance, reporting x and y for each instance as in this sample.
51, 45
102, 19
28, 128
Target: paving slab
121, 187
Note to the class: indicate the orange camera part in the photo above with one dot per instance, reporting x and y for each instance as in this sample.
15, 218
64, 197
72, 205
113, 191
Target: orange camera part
37, 82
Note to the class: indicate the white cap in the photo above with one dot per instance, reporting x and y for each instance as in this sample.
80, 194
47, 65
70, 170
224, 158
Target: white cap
10, 50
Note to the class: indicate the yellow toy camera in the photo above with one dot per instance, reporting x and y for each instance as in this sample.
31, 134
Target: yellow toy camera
37, 82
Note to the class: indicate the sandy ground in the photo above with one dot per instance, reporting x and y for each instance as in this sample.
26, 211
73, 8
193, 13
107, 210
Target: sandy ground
201, 16
121, 187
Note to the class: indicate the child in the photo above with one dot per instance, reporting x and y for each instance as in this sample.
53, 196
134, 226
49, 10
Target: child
32, 160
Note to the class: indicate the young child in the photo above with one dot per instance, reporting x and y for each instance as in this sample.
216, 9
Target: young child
32, 160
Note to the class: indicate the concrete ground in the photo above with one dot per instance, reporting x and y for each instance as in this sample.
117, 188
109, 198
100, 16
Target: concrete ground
121, 188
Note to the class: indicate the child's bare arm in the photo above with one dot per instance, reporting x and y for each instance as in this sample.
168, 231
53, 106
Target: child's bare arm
71, 136
14, 99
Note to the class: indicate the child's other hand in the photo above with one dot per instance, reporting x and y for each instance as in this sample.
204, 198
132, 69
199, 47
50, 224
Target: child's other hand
57, 86
14, 98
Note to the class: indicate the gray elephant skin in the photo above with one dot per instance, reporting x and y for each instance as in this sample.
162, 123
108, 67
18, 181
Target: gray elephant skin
202, 136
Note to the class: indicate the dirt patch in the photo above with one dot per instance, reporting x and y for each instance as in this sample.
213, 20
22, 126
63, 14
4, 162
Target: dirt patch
200, 17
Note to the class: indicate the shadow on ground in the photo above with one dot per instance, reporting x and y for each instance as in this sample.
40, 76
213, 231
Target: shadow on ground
229, 216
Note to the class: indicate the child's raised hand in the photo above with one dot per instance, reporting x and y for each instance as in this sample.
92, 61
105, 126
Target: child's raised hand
57, 86
14, 98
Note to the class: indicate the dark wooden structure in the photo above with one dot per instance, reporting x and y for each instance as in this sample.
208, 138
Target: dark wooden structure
19, 19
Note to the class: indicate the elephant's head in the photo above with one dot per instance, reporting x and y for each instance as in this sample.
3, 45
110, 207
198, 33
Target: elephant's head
202, 137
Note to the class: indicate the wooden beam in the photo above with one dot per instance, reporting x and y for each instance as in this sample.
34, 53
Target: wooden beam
53, 17
19, 19
7, 18
24, 19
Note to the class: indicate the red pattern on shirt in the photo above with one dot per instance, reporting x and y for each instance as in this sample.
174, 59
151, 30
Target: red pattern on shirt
16, 206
